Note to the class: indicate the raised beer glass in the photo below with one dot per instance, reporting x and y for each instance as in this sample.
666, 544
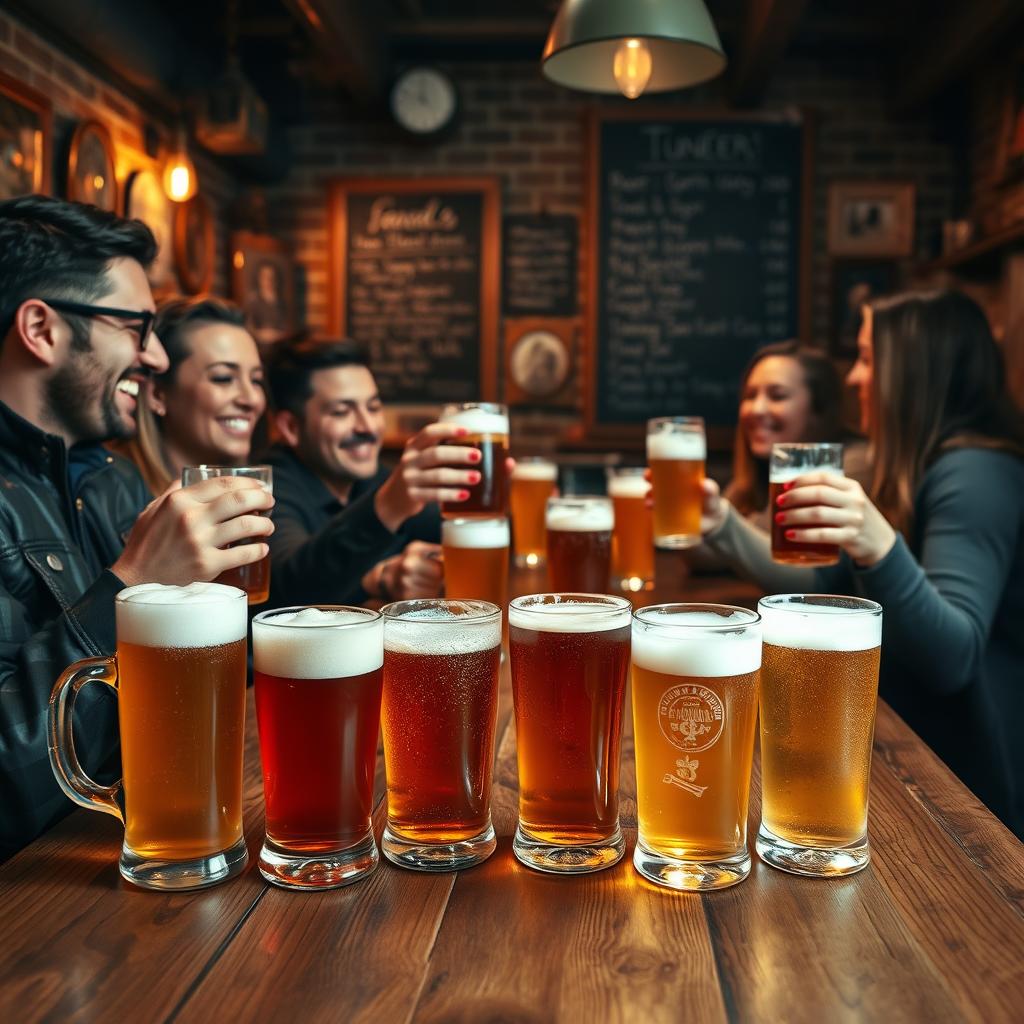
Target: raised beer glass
695, 676
534, 480
253, 578
486, 425
570, 662
179, 673
676, 450
633, 536
788, 461
318, 673
819, 688
439, 715
579, 543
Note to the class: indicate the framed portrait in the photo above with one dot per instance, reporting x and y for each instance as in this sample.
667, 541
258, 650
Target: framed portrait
194, 245
1010, 158
26, 126
146, 200
92, 174
539, 361
870, 218
854, 282
263, 284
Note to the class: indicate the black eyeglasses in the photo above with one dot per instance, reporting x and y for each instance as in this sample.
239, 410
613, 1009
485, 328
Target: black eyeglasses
142, 318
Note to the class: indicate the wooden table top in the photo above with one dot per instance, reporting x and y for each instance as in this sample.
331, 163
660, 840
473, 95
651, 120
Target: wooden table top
932, 930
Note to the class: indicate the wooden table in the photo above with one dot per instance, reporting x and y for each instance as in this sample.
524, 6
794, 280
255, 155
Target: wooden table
932, 931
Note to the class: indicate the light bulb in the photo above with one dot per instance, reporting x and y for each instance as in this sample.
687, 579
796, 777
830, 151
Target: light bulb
632, 67
180, 180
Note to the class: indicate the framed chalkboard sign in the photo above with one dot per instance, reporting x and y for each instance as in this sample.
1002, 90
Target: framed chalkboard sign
414, 276
699, 252
539, 260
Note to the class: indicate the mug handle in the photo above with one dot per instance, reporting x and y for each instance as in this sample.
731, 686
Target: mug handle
63, 759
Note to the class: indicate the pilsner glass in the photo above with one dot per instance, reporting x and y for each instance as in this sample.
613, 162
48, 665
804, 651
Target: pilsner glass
570, 662
695, 674
633, 537
179, 673
579, 542
476, 560
533, 482
439, 715
788, 461
676, 450
253, 578
486, 424
318, 676
819, 687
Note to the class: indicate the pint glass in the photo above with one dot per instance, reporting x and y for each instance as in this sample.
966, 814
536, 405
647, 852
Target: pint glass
439, 715
570, 662
486, 424
695, 674
633, 537
819, 686
676, 450
579, 542
533, 482
788, 461
253, 578
179, 674
318, 676
476, 559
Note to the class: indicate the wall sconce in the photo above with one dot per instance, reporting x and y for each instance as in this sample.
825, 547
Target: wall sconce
180, 180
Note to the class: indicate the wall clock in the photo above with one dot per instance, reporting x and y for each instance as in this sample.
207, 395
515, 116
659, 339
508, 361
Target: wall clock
424, 101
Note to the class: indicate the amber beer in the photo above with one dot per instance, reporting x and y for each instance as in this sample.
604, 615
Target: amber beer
676, 450
533, 482
579, 543
819, 687
476, 559
486, 425
570, 661
695, 680
318, 674
633, 537
439, 714
180, 676
788, 462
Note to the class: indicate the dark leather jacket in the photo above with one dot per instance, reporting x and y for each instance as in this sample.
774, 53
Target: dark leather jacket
56, 606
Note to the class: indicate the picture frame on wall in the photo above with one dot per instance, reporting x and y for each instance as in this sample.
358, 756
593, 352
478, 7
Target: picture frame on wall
871, 218
263, 284
540, 361
146, 200
26, 139
194, 245
855, 282
92, 167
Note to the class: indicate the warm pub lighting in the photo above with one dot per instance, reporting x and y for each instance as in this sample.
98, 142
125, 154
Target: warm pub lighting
180, 180
632, 67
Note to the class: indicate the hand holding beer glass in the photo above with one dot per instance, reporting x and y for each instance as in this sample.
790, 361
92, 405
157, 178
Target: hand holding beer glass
534, 480
486, 426
579, 542
676, 450
633, 536
788, 463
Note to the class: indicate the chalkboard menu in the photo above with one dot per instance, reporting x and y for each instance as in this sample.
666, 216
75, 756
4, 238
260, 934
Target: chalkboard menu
699, 246
539, 265
414, 277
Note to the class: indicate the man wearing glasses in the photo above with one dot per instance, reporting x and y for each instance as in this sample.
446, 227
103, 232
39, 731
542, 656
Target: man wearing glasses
76, 523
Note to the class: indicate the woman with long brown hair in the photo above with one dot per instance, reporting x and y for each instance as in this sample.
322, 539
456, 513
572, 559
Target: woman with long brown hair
939, 542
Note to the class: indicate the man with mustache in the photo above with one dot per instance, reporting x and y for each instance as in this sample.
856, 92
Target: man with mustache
347, 529
76, 523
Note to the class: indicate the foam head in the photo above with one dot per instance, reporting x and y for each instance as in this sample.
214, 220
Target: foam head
593, 515
686, 445
487, 420
841, 624
546, 471
196, 615
686, 643
317, 643
435, 629
564, 613
628, 487
783, 474
475, 533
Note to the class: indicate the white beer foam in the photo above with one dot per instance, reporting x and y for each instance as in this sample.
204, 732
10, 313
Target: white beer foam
535, 471
316, 643
676, 647
475, 533
433, 631
667, 445
786, 473
628, 487
478, 421
196, 615
820, 628
569, 617
599, 516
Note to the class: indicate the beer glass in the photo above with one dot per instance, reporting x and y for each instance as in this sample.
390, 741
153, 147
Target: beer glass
570, 661
486, 424
179, 673
633, 536
476, 559
788, 461
439, 715
676, 450
253, 578
695, 674
318, 676
533, 481
819, 686
579, 542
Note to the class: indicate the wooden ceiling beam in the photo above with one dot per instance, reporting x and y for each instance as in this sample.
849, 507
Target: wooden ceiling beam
768, 28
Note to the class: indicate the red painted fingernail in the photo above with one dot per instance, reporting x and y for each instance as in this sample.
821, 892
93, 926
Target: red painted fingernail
474, 478
788, 485
779, 517
463, 495
475, 456
779, 500
461, 431
790, 534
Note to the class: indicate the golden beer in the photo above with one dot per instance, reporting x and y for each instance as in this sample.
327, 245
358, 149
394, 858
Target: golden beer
476, 559
819, 688
533, 482
695, 684
676, 451
633, 536
788, 462
579, 544
486, 425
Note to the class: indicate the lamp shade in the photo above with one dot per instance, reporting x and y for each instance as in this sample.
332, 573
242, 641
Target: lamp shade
586, 34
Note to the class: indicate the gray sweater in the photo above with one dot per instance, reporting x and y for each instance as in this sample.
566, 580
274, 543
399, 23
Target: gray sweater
953, 620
